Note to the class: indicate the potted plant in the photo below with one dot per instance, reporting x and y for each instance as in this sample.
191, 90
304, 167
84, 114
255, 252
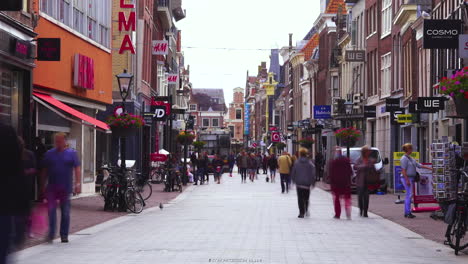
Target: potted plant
307, 142
125, 124
348, 135
456, 87
198, 145
185, 138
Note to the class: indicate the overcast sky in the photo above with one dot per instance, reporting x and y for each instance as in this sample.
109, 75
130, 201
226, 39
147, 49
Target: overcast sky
238, 24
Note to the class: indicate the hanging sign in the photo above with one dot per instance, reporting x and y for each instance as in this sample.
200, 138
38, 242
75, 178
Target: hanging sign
48, 49
127, 24
441, 33
275, 137
20, 48
160, 47
370, 111
430, 104
322, 111
355, 55
463, 46
405, 118
392, 104
172, 78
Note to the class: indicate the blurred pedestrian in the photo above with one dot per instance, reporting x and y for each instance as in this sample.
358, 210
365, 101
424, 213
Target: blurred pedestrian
319, 163
59, 165
14, 195
218, 168
252, 167
258, 160
242, 164
231, 162
202, 166
340, 173
303, 175
30, 172
265, 163
365, 173
194, 161
409, 170
284, 165
273, 166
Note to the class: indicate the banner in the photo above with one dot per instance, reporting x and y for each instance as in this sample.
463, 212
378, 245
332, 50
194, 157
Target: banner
160, 47
247, 119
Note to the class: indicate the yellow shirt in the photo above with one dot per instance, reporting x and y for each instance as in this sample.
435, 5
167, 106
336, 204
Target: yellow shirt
284, 164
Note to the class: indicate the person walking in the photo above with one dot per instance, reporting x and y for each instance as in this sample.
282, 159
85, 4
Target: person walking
202, 168
319, 164
218, 168
367, 179
303, 175
284, 165
340, 173
59, 165
273, 166
408, 171
242, 164
265, 164
252, 167
258, 160
194, 161
231, 162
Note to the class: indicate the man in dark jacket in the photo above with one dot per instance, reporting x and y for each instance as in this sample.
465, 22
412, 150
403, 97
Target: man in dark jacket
303, 175
340, 173
242, 161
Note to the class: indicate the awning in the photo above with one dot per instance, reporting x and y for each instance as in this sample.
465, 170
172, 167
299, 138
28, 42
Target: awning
49, 99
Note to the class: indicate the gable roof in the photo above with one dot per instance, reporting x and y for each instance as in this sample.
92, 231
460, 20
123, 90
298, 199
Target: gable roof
211, 99
309, 48
332, 7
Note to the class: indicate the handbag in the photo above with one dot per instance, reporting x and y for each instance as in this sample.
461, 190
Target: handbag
417, 177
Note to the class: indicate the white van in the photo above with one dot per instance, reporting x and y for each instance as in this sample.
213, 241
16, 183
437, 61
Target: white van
355, 154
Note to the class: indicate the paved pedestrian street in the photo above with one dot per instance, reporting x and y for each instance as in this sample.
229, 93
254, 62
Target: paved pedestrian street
242, 223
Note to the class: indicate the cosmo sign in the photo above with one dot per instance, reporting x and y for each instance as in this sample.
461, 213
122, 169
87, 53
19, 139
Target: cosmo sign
127, 24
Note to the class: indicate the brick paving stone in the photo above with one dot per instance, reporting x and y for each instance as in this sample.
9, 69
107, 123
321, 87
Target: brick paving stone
243, 223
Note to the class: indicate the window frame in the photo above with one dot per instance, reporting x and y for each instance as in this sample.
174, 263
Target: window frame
203, 122
238, 109
190, 107
213, 122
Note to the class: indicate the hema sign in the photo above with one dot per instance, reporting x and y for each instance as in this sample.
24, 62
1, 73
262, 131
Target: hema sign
441, 33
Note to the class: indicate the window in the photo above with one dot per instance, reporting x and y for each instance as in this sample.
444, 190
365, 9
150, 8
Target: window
238, 113
385, 72
231, 130
206, 122
215, 122
91, 18
162, 80
386, 17
26, 6
193, 107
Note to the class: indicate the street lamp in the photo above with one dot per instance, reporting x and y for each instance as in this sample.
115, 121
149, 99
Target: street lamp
125, 83
349, 109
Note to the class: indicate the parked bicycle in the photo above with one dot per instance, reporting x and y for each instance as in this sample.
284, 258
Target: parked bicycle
457, 215
133, 198
157, 174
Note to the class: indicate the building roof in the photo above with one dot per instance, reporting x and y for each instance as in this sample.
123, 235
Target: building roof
209, 99
311, 45
332, 7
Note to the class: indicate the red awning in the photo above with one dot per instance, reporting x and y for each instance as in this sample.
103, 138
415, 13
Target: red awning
49, 99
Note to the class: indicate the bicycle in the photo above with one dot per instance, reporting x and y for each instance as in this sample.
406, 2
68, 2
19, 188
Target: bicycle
133, 199
157, 174
143, 186
458, 209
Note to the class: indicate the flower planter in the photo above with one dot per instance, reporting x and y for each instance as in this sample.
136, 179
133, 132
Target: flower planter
124, 132
461, 105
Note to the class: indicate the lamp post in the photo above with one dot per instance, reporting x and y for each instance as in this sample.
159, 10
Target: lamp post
348, 109
125, 83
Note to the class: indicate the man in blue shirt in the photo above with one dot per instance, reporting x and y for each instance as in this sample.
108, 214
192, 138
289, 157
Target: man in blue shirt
59, 164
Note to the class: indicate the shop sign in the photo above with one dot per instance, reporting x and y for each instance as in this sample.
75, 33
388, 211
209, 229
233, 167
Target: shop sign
441, 33
20, 48
9, 5
405, 118
247, 119
160, 47
355, 55
430, 104
370, 111
148, 117
83, 72
275, 137
463, 46
156, 157
172, 78
394, 115
273, 128
392, 104
159, 112
322, 111
48, 49
127, 24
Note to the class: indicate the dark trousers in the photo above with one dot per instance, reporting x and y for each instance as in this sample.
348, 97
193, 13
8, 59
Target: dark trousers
303, 200
363, 199
264, 169
284, 182
200, 175
54, 194
5, 237
243, 173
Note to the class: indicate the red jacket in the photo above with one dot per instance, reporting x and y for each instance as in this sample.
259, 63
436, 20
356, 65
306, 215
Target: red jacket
340, 173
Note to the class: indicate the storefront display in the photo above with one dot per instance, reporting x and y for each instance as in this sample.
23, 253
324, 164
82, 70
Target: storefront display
443, 174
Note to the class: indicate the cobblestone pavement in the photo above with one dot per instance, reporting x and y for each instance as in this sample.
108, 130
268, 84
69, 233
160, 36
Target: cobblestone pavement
242, 223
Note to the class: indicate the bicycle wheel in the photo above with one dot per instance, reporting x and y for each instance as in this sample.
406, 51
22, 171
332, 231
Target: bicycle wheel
146, 191
133, 202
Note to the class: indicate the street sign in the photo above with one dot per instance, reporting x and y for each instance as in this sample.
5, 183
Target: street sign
370, 111
392, 104
322, 112
148, 117
275, 137
430, 104
405, 118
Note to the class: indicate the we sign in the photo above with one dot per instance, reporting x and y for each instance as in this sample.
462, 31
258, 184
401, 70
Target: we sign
160, 47
127, 24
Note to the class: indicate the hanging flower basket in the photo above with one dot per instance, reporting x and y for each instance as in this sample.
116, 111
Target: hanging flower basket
198, 145
307, 142
185, 138
456, 86
348, 135
125, 125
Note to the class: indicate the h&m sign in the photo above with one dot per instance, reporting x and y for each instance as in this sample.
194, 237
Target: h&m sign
127, 24
160, 47
83, 75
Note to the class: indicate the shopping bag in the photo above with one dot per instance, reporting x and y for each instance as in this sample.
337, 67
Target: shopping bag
39, 219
